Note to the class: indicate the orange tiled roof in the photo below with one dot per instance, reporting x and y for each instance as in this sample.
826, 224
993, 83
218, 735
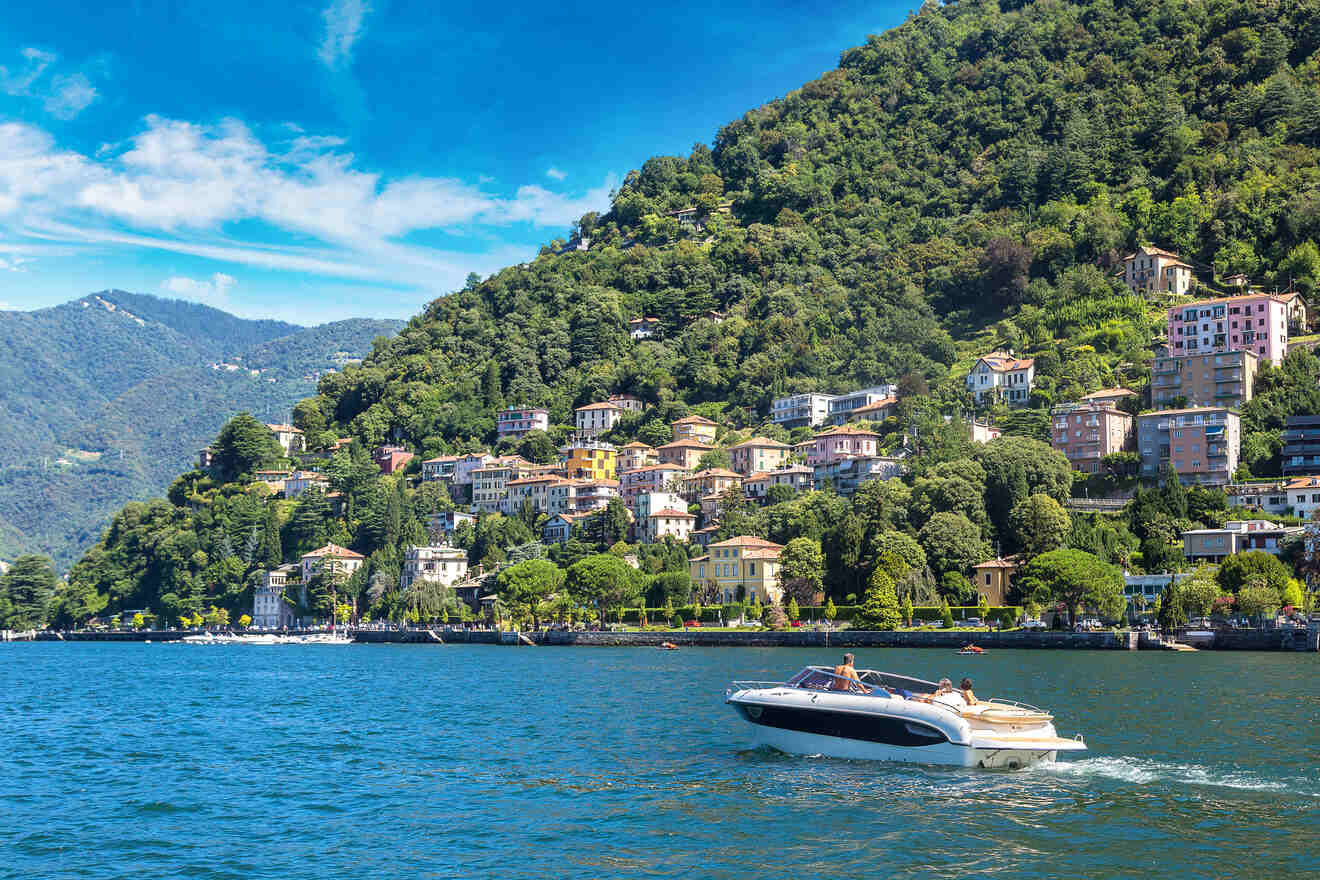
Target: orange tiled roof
748, 541
693, 420
333, 550
846, 430
603, 405
1000, 362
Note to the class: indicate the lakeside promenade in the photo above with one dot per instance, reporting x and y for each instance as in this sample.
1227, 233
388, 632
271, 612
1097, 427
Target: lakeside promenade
1292, 640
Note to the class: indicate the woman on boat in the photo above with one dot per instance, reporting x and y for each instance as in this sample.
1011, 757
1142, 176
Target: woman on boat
966, 687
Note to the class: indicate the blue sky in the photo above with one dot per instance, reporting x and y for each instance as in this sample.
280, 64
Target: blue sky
318, 160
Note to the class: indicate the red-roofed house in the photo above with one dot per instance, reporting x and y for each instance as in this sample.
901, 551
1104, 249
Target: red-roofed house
1001, 376
330, 558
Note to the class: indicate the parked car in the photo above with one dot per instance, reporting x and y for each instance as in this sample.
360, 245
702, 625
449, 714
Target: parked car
973, 621
692, 623
1199, 622
1033, 623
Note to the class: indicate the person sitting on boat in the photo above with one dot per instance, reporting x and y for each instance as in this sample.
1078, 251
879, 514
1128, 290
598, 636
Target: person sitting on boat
944, 693
966, 687
845, 675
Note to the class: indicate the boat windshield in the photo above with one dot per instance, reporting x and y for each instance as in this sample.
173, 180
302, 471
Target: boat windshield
880, 683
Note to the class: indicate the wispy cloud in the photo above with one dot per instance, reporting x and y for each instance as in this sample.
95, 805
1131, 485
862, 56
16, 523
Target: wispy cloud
178, 187
70, 95
213, 291
63, 95
555, 174
344, 24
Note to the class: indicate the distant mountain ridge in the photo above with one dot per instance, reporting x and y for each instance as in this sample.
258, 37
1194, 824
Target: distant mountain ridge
103, 399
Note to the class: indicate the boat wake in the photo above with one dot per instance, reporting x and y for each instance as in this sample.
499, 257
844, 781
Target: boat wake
1139, 771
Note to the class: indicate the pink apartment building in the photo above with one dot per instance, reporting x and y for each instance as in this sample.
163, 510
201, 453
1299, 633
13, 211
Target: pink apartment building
836, 444
1087, 432
1256, 322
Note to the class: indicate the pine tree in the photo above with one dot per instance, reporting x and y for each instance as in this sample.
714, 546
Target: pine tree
270, 553
28, 589
879, 608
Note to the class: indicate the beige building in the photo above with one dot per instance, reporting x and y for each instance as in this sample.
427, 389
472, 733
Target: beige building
1237, 536
683, 453
742, 567
1086, 432
1152, 268
713, 481
433, 564
634, 455
490, 483
759, 454
1217, 379
289, 438
595, 419
694, 428
330, 558
994, 578
630, 402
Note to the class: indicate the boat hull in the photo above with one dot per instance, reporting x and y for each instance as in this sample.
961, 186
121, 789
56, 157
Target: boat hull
850, 725
797, 742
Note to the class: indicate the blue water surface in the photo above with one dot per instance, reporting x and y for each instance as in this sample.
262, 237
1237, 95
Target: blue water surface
129, 760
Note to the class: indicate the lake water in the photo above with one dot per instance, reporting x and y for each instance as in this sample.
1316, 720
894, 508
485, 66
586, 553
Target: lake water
124, 760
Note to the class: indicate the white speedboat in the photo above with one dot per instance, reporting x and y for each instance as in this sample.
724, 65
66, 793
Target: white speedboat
818, 713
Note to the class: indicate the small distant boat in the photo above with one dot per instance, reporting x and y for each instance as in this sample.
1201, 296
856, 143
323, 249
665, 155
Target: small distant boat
971, 650
668, 646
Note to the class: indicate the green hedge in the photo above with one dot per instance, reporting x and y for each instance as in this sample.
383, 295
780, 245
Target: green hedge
1007, 614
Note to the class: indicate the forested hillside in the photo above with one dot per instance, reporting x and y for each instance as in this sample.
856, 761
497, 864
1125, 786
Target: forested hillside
106, 398
982, 166
964, 182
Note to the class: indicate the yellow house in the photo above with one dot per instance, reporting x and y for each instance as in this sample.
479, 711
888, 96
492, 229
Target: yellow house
695, 428
742, 566
993, 579
589, 460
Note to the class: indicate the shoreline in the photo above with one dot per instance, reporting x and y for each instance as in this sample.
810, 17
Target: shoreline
1292, 640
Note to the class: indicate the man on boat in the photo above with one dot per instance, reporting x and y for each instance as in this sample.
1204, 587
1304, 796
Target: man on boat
845, 675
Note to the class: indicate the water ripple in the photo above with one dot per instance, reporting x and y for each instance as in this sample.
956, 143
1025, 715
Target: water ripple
470, 761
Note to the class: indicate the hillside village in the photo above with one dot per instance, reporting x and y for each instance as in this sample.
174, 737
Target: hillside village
600, 489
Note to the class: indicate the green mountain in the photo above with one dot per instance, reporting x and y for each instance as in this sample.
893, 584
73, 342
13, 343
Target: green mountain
105, 398
966, 181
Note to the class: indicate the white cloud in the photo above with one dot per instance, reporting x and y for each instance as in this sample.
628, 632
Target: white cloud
177, 186
212, 291
63, 95
555, 174
344, 21
70, 95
